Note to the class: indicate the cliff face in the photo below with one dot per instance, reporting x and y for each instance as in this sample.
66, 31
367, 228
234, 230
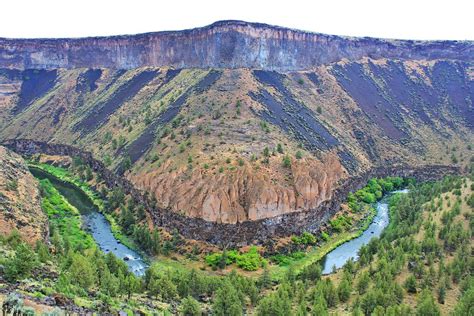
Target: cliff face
225, 44
242, 143
20, 202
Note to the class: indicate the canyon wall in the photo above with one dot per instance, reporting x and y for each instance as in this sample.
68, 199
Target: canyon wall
225, 44
238, 234
20, 200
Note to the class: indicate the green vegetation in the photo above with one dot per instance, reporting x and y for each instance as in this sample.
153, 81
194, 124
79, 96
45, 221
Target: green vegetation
249, 261
421, 264
286, 161
64, 219
12, 185
306, 238
342, 227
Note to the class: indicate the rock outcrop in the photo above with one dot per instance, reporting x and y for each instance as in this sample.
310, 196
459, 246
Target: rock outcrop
20, 201
246, 195
209, 145
225, 44
242, 233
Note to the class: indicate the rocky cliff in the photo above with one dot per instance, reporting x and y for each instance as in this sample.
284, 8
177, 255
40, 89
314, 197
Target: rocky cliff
20, 202
232, 145
225, 44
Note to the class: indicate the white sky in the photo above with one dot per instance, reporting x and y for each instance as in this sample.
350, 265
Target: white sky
405, 19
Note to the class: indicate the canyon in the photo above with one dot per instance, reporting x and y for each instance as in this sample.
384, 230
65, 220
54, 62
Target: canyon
239, 131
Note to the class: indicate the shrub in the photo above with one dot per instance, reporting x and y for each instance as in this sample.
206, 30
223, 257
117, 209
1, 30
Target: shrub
339, 223
21, 264
280, 148
325, 236
12, 185
305, 239
286, 161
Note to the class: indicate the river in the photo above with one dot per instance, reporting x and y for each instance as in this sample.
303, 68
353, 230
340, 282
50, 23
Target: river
96, 223
339, 256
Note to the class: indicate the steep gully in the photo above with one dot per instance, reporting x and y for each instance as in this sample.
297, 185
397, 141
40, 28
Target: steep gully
241, 233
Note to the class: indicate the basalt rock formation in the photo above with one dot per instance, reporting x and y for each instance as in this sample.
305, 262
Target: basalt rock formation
240, 233
239, 123
224, 44
20, 202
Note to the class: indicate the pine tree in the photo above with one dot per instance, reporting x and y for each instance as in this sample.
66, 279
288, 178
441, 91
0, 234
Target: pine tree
82, 272
331, 294
320, 307
156, 242
167, 288
265, 279
42, 251
280, 148
441, 293
426, 305
22, 263
410, 284
227, 301
363, 283
190, 307
344, 290
129, 284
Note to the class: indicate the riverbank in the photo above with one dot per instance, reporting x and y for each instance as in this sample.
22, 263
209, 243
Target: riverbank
61, 174
360, 217
244, 233
362, 200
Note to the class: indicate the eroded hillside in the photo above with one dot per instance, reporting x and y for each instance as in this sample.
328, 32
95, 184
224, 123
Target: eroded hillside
20, 202
234, 144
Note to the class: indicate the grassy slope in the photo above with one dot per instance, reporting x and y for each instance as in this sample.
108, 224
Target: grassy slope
447, 201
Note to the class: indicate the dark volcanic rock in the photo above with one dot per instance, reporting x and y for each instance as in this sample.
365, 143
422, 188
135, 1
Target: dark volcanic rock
241, 233
36, 82
101, 112
141, 145
225, 44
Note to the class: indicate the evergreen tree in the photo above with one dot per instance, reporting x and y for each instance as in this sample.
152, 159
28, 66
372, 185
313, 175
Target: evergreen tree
167, 288
331, 294
227, 301
156, 242
190, 307
82, 272
368, 302
276, 304
441, 293
109, 284
280, 148
265, 279
426, 305
410, 284
129, 284
22, 263
363, 283
344, 290
301, 310
42, 251
465, 306
320, 307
